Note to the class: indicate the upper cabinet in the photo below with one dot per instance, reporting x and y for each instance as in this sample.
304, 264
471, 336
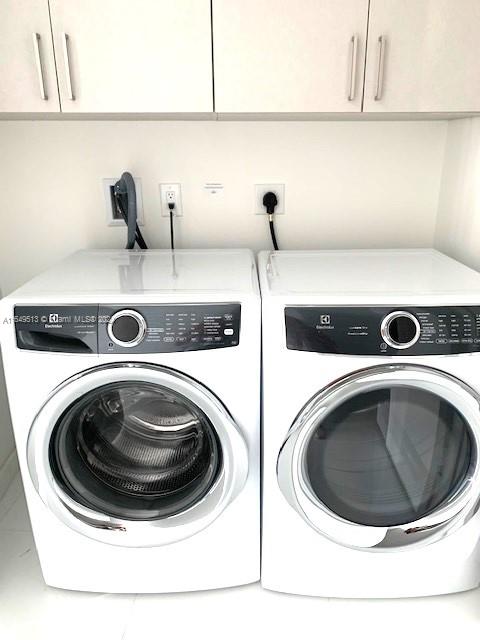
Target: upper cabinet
423, 56
27, 66
148, 56
268, 56
289, 55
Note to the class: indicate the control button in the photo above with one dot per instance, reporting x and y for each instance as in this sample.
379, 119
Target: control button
400, 329
127, 328
228, 332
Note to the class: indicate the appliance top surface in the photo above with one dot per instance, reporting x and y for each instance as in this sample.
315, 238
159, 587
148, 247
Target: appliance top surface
366, 274
112, 272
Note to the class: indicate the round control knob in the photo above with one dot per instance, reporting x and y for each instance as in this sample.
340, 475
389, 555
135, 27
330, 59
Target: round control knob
127, 328
400, 329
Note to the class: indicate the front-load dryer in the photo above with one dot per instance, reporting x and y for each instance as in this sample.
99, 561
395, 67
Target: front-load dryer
133, 382
371, 382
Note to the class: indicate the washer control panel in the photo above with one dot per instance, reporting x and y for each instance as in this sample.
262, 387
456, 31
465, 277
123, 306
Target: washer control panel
155, 328
383, 330
168, 328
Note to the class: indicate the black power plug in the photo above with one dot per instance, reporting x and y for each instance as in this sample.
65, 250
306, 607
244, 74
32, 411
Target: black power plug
270, 201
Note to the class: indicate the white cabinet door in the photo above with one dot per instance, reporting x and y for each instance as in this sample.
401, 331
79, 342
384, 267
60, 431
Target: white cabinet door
431, 56
289, 55
137, 56
27, 66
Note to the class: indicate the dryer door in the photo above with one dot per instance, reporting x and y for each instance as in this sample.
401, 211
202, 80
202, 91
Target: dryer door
385, 458
136, 455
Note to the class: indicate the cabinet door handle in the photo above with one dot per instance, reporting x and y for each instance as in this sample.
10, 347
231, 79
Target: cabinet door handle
353, 67
382, 41
38, 64
66, 59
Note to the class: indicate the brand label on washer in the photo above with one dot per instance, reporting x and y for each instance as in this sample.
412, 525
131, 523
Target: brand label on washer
56, 328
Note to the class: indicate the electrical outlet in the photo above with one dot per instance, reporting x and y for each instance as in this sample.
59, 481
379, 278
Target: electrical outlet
171, 192
114, 219
261, 189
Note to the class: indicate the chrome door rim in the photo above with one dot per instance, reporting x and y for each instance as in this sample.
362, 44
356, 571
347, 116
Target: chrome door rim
229, 482
453, 512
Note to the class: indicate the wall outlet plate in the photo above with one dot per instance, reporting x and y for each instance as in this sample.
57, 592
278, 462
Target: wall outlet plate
261, 189
166, 191
113, 218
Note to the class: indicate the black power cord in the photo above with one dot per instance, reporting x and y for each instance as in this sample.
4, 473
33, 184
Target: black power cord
125, 198
171, 206
270, 201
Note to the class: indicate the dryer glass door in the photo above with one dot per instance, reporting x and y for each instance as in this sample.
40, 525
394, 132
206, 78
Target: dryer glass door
387, 449
388, 456
136, 454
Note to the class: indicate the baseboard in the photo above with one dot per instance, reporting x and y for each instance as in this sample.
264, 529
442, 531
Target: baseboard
8, 471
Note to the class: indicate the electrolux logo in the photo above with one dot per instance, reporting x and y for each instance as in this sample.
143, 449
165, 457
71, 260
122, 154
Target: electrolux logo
324, 322
55, 321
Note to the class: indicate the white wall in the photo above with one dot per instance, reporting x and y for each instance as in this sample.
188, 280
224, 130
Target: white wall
348, 184
458, 224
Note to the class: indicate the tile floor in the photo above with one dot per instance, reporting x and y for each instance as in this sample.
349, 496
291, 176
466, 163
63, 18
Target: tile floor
29, 609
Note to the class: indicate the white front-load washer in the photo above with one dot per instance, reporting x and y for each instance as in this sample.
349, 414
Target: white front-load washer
371, 383
133, 383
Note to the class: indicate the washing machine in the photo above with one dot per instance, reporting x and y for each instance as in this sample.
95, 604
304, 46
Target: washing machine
133, 381
371, 382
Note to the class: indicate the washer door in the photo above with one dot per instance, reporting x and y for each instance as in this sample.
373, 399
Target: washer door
385, 458
136, 455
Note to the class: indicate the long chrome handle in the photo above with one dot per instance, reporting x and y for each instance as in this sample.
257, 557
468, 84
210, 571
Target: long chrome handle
380, 67
353, 67
38, 64
66, 59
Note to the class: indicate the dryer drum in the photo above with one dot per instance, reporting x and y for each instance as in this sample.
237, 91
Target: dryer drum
135, 451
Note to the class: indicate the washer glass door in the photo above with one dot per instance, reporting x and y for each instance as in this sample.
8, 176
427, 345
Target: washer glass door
136, 454
135, 450
389, 448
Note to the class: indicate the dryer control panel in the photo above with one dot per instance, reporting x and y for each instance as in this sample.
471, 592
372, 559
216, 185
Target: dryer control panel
373, 331
117, 329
